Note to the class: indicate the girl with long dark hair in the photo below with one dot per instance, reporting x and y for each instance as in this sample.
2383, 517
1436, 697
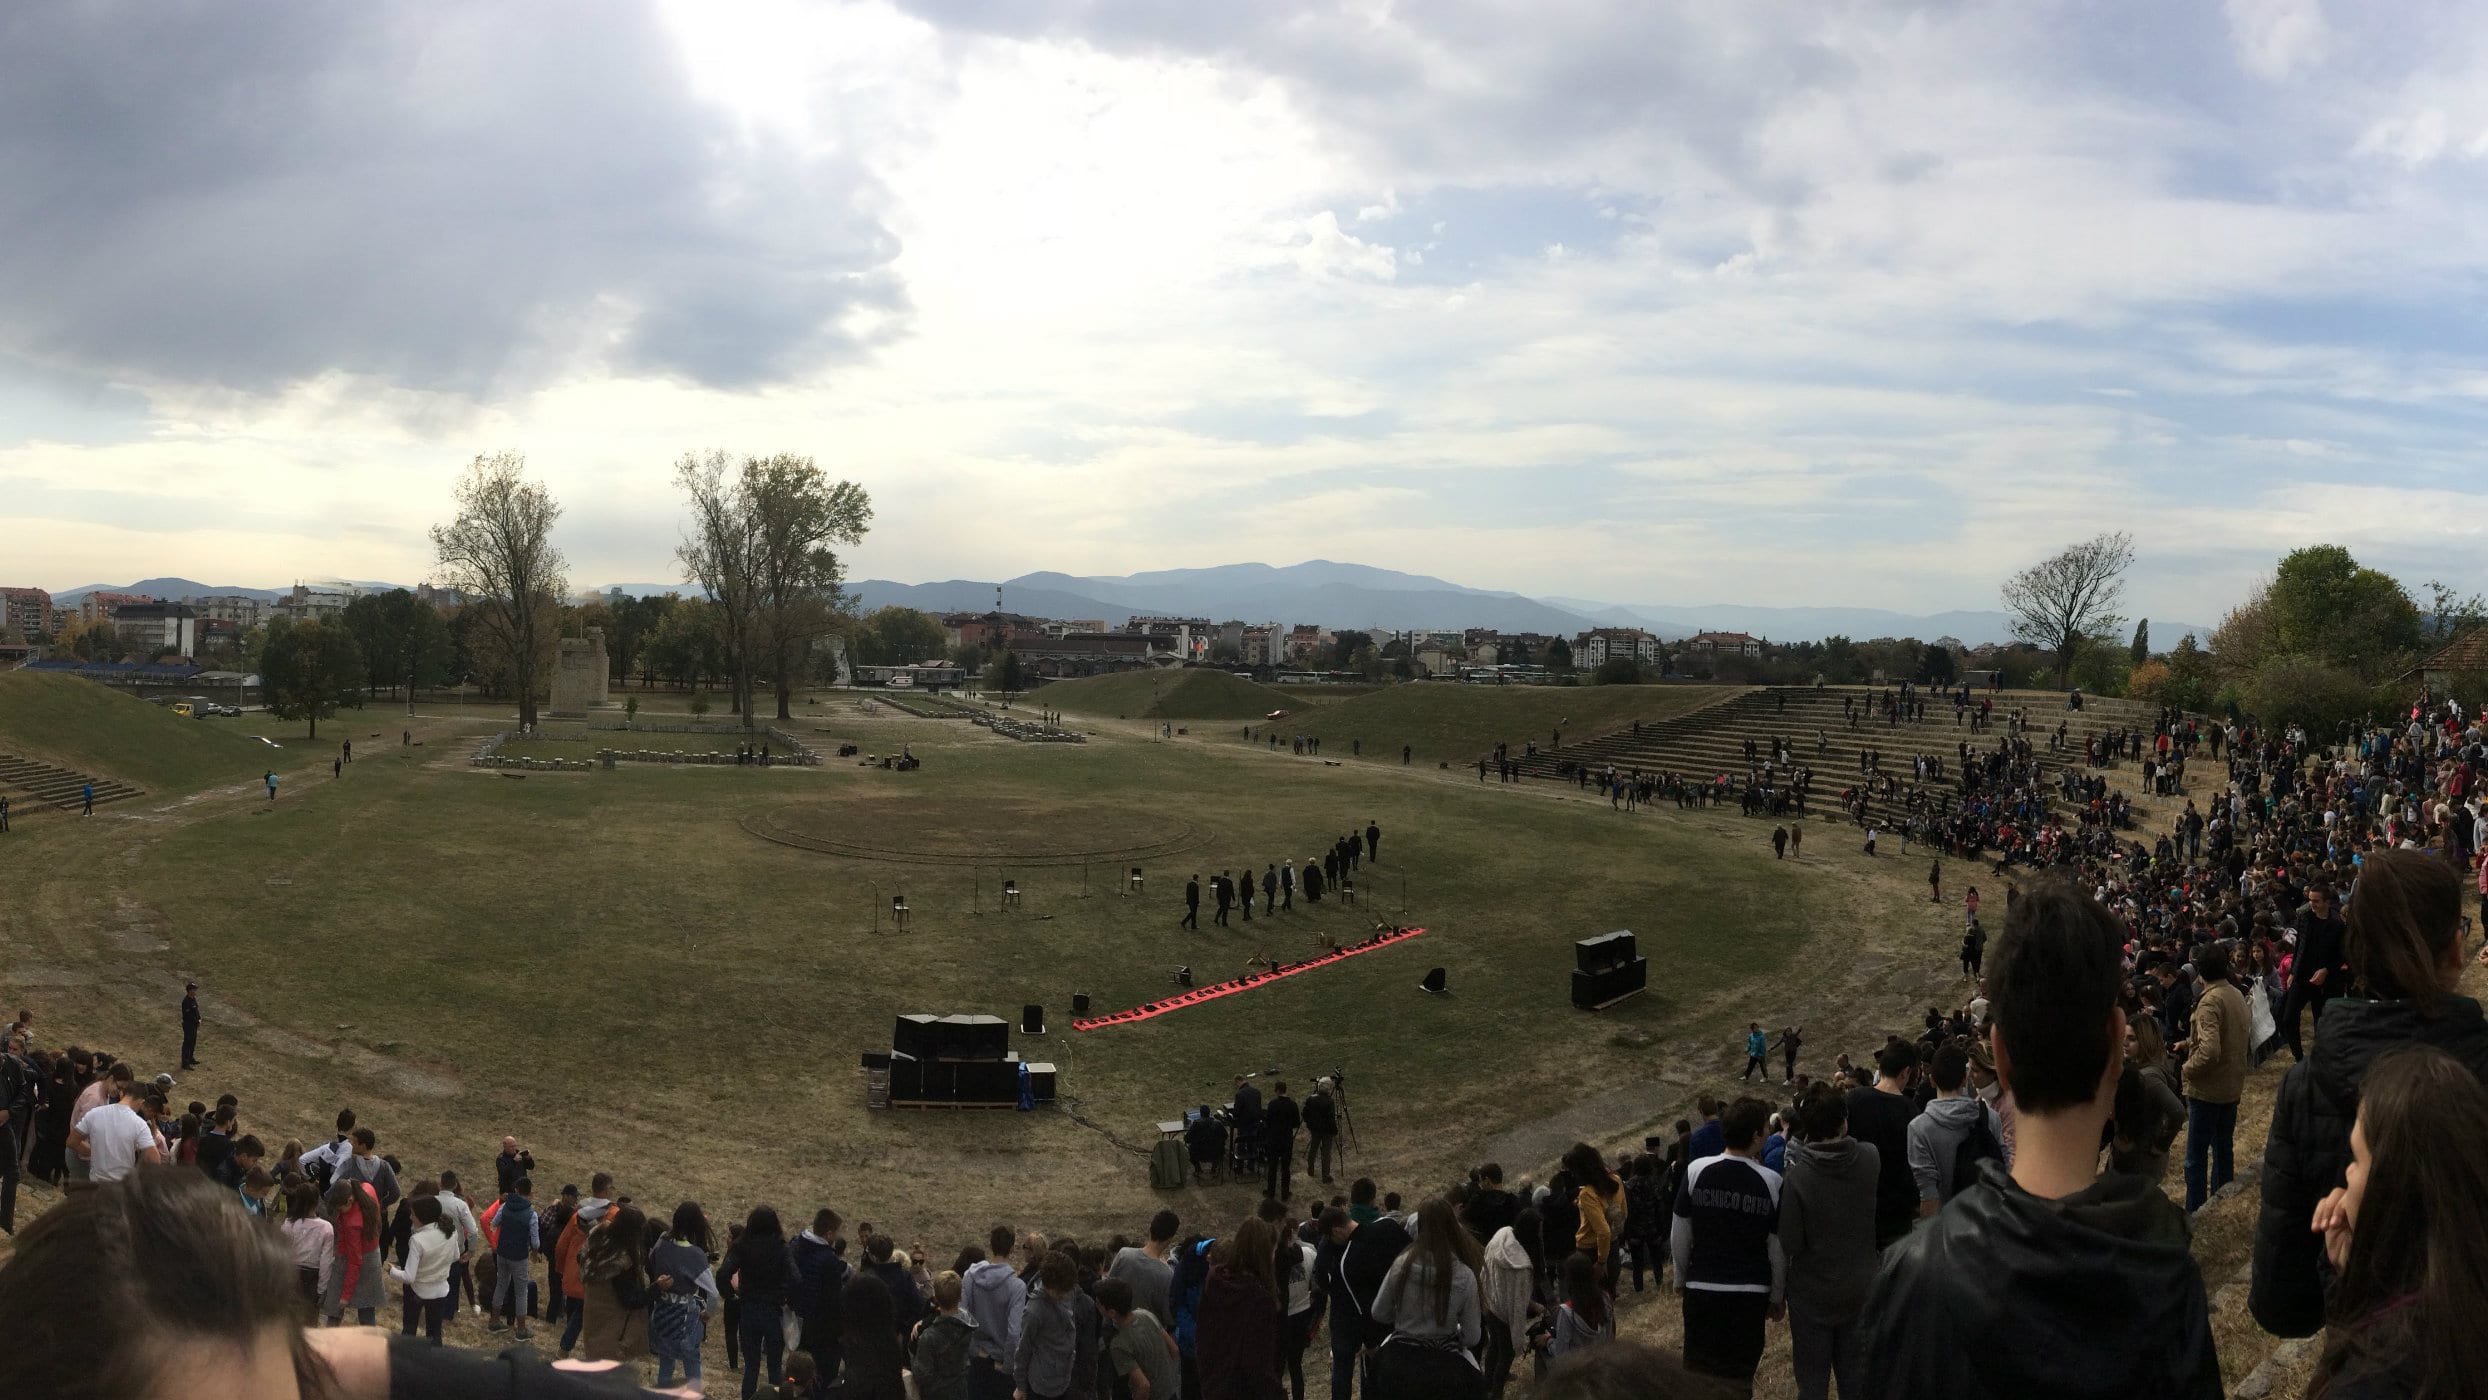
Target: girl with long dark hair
1238, 1322
1599, 1200
869, 1358
1587, 1316
613, 1269
686, 1293
1430, 1301
2404, 947
759, 1268
2404, 1235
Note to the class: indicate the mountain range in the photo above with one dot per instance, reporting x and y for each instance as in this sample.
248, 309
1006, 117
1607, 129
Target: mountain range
1356, 595
1334, 595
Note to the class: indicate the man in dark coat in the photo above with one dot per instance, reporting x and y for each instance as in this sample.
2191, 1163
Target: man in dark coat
2322, 969
1279, 1122
1192, 904
190, 1026
1373, 841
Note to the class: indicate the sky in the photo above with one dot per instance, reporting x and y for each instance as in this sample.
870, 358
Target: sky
1780, 303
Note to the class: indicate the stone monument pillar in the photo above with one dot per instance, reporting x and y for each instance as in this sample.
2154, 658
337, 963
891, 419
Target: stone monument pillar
580, 679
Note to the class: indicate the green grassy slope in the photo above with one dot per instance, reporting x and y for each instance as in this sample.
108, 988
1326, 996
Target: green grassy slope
1191, 694
96, 729
1445, 721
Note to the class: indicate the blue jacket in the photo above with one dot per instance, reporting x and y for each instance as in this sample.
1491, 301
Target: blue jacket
517, 1224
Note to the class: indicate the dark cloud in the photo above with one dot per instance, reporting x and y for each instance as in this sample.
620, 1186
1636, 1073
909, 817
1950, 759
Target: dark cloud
1455, 90
469, 197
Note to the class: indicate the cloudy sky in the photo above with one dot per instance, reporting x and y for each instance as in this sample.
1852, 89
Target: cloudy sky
1653, 302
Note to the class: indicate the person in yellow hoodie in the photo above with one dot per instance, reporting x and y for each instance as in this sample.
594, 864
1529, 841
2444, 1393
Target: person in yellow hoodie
2215, 1075
1601, 1203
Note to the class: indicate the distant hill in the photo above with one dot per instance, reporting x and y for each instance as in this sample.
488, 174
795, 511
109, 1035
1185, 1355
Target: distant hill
1672, 621
176, 589
1196, 693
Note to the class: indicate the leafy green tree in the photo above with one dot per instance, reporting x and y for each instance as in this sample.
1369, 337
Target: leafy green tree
2327, 607
1559, 657
685, 646
309, 670
1007, 671
1617, 670
1935, 665
2141, 651
896, 636
1344, 647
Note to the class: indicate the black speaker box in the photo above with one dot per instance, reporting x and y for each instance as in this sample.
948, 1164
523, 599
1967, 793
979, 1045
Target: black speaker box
975, 1037
985, 1081
1032, 1019
1605, 951
1079, 1003
919, 1035
1593, 990
1041, 1082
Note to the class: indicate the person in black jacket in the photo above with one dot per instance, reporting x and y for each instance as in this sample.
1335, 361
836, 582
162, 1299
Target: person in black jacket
1279, 1122
1192, 904
2404, 946
190, 1026
1321, 1126
2049, 1280
2319, 970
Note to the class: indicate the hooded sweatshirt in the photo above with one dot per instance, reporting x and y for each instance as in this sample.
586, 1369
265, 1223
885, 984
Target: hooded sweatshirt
2090, 1297
990, 1295
1507, 1281
1935, 1138
1827, 1226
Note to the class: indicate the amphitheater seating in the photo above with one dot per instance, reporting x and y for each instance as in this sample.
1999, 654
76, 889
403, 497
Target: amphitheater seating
25, 780
1704, 743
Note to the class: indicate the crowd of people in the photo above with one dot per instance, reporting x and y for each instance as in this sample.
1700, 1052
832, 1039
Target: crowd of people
1976, 1209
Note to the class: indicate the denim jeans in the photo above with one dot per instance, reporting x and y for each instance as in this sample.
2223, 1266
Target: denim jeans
2211, 1130
1826, 1352
509, 1288
690, 1372
1342, 1368
575, 1309
764, 1339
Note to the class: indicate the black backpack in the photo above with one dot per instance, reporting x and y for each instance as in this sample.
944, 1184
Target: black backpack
1977, 1145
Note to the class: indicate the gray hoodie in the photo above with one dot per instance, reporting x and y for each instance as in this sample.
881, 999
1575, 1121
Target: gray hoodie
1936, 1134
1827, 1226
991, 1295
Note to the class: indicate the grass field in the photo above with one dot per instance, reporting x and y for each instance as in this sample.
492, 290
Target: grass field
609, 964
1196, 693
1449, 722
95, 729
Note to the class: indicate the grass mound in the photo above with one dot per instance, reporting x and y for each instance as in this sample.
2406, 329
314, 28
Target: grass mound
1444, 720
1187, 694
95, 729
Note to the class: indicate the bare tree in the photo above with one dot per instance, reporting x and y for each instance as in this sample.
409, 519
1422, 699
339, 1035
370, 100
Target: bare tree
797, 514
498, 555
2062, 602
721, 552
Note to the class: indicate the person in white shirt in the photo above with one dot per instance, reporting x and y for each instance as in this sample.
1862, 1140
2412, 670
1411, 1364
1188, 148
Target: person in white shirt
430, 1247
311, 1238
115, 1138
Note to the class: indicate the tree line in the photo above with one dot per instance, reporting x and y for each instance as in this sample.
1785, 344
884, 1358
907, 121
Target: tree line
761, 546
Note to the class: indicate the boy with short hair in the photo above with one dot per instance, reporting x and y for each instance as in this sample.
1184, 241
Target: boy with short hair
1141, 1352
1985, 1298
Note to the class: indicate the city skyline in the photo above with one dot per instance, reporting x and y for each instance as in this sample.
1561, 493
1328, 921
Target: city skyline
1645, 303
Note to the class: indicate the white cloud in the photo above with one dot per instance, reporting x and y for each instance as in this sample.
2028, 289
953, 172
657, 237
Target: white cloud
2277, 39
1598, 294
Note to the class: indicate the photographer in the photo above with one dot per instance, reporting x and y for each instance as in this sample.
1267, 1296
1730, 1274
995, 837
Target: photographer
1321, 1125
